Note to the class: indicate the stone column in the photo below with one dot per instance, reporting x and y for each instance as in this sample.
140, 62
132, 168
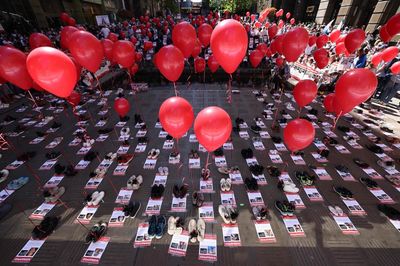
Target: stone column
343, 11
323, 6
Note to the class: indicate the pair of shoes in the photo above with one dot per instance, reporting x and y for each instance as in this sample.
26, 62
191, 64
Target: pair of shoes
104, 130
169, 137
218, 152
157, 191
96, 232
285, 208
288, 186
305, 178
375, 148
223, 170
98, 173
143, 140
261, 213
226, 184
174, 154
197, 198
276, 139
153, 154
41, 134
156, 226
180, 191
393, 140
239, 121
4, 175
324, 153
196, 230
343, 129
342, 168
175, 225
95, 198
88, 143
251, 183
59, 169
329, 141
234, 170
368, 182
70, 171
55, 125
389, 211
125, 143
257, 119
90, 156
193, 154
124, 119
336, 210
53, 155
313, 112
17, 183
273, 171
343, 192
163, 170
247, 153
228, 213
132, 209
52, 195
388, 165
134, 182
125, 131
205, 174
256, 129
124, 158
111, 156
394, 179
138, 119
256, 169
45, 228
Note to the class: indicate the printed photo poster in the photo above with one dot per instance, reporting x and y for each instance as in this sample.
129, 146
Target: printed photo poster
26, 254
124, 196
54, 181
313, 193
153, 206
354, 207
293, 226
178, 204
86, 215
42, 211
208, 248
228, 198
95, 251
381, 196
117, 218
264, 232
142, 238
206, 212
346, 225
5, 193
231, 236
206, 186
179, 244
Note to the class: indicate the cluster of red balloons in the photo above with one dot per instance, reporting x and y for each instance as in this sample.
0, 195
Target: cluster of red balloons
67, 19
390, 29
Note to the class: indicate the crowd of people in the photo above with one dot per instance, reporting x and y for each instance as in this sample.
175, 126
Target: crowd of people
159, 31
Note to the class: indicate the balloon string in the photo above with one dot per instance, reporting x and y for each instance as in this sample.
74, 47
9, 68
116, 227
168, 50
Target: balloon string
176, 91
336, 120
208, 157
298, 112
33, 99
277, 109
190, 74
229, 89
98, 83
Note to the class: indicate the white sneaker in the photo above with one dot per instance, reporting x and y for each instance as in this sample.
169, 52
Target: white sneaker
161, 170
129, 183
222, 184
137, 182
201, 229
93, 197
192, 227
99, 198
231, 210
339, 211
165, 169
228, 184
224, 214
290, 187
333, 210
388, 165
171, 225
4, 175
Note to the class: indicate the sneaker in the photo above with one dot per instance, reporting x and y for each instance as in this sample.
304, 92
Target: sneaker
4, 175
285, 208
98, 198
222, 184
251, 183
368, 182
223, 170
388, 165
101, 231
132, 209
233, 213
343, 192
333, 210
161, 222
201, 229
152, 227
91, 234
389, 211
55, 194
342, 168
224, 214
256, 213
197, 198
360, 163
339, 211
192, 228
171, 225
179, 224
290, 187
256, 129
17, 183
273, 171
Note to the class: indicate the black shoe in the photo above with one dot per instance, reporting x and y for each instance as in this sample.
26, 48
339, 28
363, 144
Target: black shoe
368, 182
71, 171
324, 153
53, 155
256, 129
360, 163
104, 130
276, 139
183, 190
343, 192
256, 169
342, 168
45, 228
55, 125
247, 153
124, 119
313, 112
101, 231
59, 169
273, 171
251, 183
176, 191
343, 128
152, 227
90, 156
389, 211
219, 152
375, 148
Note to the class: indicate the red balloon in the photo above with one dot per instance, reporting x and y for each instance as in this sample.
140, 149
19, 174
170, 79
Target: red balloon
74, 98
184, 37
328, 102
288, 15
113, 37
305, 92
134, 68
263, 48
280, 24
295, 43
339, 109
385, 36
277, 44
147, 46
340, 49
212, 64
138, 57
176, 116
66, 34
71, 21
52, 70
354, 87
212, 127
298, 134
322, 40
229, 44
78, 68
204, 32
133, 40
122, 106
321, 58
108, 49
389, 53
395, 68
87, 50
124, 53
376, 59
256, 57
312, 40
279, 13
292, 21
257, 25
247, 14
36, 87
64, 17
341, 39
279, 61
38, 40
393, 25
170, 62
252, 17
334, 35
354, 39
268, 53
196, 49
199, 65
13, 67
272, 31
